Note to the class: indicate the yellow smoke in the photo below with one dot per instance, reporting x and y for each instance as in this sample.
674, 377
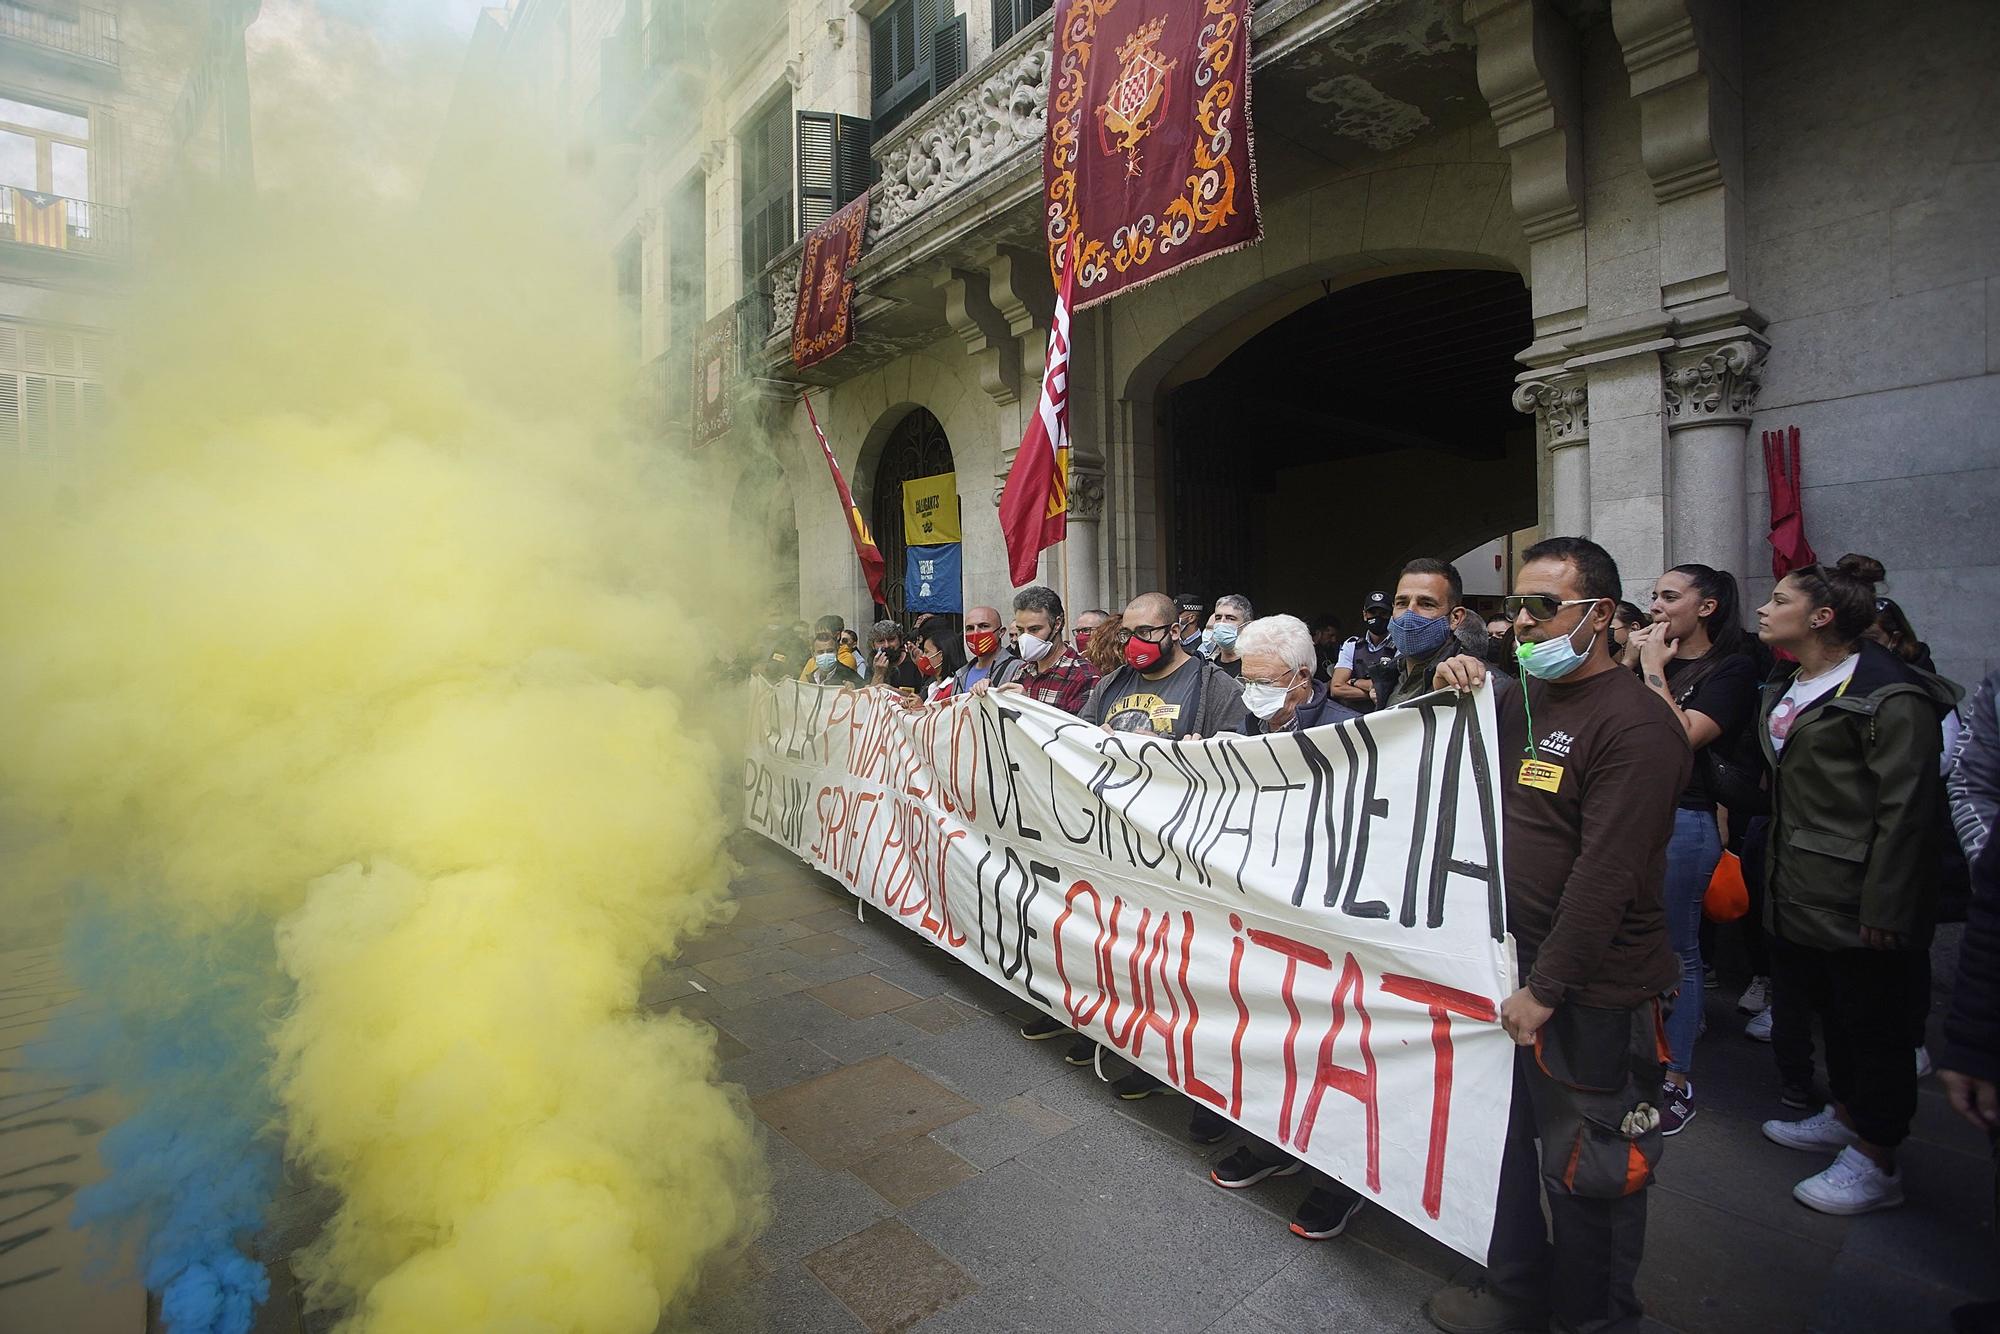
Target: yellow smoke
370, 618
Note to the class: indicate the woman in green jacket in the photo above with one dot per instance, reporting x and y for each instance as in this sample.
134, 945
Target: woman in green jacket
1852, 739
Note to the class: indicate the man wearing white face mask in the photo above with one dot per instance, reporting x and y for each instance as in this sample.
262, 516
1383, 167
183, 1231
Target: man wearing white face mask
1277, 662
1218, 641
1054, 673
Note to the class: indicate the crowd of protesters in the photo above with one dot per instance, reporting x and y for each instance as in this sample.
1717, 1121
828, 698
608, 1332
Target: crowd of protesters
1819, 751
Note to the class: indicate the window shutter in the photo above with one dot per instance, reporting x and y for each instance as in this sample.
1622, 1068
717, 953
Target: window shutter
62, 418
10, 418
819, 179
853, 168
35, 418
947, 54
1010, 16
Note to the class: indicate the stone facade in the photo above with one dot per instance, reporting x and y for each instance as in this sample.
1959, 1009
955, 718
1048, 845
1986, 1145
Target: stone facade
1727, 217
149, 89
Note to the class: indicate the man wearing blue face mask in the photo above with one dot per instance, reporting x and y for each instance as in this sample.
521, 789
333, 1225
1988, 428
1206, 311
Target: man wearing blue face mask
1592, 765
1218, 641
1424, 619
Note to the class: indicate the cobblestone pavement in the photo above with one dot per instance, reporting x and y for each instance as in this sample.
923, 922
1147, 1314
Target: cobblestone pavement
935, 1172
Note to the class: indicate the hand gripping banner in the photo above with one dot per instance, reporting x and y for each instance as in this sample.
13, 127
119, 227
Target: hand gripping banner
1304, 932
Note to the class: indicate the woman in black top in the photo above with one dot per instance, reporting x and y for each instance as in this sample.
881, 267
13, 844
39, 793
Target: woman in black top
1692, 657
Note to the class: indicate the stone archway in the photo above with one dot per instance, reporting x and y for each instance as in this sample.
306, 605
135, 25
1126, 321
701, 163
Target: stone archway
908, 443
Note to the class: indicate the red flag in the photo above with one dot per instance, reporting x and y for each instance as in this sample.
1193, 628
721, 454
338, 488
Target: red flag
865, 549
1034, 506
1789, 548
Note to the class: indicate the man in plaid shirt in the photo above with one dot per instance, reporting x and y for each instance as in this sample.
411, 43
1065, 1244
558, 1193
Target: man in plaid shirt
1055, 673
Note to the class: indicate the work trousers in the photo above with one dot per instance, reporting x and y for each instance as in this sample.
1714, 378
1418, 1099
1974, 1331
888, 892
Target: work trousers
1862, 998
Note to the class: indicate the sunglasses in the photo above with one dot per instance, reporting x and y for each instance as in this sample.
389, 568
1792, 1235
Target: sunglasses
1540, 606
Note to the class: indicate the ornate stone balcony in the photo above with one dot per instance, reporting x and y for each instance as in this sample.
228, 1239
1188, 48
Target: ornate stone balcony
89, 36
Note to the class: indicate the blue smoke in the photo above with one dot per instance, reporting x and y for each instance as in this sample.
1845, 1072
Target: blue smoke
175, 1025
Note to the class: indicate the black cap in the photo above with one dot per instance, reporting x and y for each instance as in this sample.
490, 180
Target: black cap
1376, 599
1188, 602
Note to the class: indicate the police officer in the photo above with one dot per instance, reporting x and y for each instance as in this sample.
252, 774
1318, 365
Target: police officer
1360, 655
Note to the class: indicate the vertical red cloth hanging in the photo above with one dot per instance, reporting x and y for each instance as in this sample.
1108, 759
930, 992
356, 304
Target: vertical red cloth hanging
865, 549
1789, 548
1034, 505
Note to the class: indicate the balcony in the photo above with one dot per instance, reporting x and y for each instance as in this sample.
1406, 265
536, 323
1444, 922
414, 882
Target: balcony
675, 45
89, 39
52, 224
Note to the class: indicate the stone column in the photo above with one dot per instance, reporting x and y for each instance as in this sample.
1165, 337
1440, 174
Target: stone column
1561, 406
1709, 392
1086, 518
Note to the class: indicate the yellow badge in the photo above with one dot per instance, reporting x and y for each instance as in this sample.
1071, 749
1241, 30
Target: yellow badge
1537, 773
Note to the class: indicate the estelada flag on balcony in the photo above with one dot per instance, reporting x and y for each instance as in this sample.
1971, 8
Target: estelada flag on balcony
40, 219
1147, 163
823, 323
1034, 505
865, 550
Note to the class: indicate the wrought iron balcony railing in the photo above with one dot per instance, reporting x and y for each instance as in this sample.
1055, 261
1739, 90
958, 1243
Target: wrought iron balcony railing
51, 222
91, 36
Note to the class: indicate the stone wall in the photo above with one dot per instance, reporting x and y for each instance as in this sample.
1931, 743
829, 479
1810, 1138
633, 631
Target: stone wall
1873, 219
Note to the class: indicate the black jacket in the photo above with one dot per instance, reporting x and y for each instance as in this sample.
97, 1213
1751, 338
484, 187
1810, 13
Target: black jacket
1974, 781
1972, 1024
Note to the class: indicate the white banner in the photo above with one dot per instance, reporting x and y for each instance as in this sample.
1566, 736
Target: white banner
1304, 932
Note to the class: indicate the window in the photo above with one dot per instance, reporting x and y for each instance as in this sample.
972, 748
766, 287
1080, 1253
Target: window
917, 48
1010, 16
44, 174
767, 187
51, 393
834, 166
629, 264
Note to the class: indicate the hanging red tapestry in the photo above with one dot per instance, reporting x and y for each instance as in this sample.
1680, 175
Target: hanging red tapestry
824, 321
1148, 156
715, 371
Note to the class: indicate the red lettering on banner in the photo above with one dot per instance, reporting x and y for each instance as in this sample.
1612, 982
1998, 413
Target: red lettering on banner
1242, 1017
1155, 964
1107, 949
858, 835
1296, 952
1442, 1002
1191, 1084
1357, 1084
831, 808
964, 763
950, 933
1080, 1015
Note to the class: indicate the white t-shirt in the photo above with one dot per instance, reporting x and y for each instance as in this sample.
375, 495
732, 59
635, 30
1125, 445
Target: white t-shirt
1806, 690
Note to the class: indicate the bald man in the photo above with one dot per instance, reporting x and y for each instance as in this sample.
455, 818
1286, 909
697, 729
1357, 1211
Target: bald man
986, 658
1163, 690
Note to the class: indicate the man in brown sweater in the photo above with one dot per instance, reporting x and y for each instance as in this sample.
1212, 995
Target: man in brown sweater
1592, 765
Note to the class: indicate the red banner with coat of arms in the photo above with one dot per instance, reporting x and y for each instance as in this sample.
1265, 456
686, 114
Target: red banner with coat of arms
824, 321
1148, 160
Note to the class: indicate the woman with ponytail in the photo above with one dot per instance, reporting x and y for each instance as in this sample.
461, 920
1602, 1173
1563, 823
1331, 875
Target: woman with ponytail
1691, 656
1853, 741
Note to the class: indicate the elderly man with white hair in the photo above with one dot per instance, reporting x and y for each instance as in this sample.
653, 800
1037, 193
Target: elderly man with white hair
1279, 691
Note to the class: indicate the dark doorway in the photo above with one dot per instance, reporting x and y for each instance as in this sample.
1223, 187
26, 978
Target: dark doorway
915, 448
1373, 425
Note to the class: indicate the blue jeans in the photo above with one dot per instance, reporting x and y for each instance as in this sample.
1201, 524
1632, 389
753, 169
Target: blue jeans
1691, 857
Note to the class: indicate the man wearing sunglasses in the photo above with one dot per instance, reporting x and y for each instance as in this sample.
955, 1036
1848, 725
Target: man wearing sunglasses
1591, 768
1163, 690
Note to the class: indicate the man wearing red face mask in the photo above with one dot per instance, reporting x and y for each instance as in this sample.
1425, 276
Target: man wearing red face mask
1163, 690
987, 659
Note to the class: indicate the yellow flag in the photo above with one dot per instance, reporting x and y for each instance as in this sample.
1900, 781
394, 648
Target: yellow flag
930, 510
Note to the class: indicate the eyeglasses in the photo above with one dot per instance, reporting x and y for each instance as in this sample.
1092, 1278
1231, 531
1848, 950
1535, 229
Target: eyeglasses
1540, 606
1152, 634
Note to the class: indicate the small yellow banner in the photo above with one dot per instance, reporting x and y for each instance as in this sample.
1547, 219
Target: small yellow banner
930, 510
1541, 774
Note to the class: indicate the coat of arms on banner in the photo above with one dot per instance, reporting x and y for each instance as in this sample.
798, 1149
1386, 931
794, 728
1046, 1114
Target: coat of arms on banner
714, 374
1167, 176
824, 321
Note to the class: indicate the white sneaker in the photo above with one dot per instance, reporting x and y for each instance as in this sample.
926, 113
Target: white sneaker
1822, 1132
1759, 1027
1756, 997
1924, 1066
1853, 1185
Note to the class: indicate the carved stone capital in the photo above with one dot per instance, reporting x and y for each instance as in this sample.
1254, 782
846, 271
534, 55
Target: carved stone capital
1712, 384
1561, 408
1086, 492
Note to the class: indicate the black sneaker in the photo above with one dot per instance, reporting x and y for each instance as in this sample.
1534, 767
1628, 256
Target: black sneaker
1040, 1027
1206, 1127
1677, 1107
1325, 1212
1137, 1085
1246, 1167
1081, 1052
